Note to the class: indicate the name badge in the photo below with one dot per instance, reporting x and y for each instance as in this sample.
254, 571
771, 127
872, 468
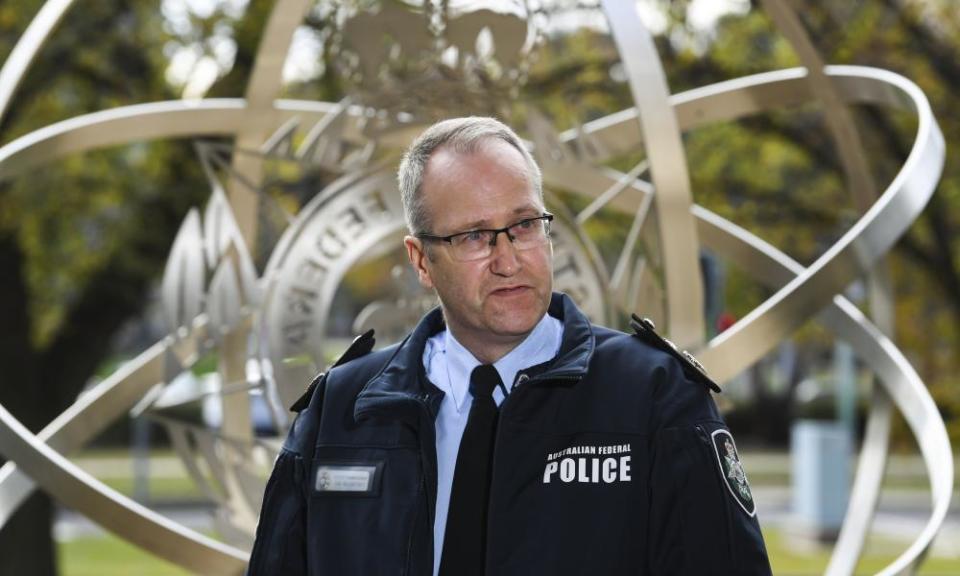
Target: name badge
360, 479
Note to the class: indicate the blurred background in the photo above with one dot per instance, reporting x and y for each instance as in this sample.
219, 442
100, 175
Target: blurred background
83, 242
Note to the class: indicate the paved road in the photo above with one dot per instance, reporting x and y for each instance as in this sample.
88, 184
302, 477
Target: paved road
901, 516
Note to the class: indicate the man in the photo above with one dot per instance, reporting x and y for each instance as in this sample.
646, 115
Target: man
506, 435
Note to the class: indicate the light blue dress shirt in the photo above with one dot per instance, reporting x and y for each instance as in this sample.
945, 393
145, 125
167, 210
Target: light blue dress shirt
448, 365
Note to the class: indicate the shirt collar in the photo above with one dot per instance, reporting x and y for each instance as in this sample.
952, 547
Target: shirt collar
541, 345
400, 388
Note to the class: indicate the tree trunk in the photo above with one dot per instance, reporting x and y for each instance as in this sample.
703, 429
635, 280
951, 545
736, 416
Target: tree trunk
26, 542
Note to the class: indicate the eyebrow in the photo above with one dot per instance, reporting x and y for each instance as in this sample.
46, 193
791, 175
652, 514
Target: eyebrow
529, 210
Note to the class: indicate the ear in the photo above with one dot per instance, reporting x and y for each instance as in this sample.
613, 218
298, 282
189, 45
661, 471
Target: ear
418, 259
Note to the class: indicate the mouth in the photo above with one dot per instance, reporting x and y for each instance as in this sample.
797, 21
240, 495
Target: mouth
510, 290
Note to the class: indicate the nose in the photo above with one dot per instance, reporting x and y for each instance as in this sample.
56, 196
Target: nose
503, 259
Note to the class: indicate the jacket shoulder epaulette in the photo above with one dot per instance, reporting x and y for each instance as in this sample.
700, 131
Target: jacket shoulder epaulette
645, 330
361, 346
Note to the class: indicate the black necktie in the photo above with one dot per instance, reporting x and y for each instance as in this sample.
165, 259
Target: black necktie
465, 539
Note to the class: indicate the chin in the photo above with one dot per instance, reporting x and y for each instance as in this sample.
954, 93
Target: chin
515, 329
517, 316
515, 324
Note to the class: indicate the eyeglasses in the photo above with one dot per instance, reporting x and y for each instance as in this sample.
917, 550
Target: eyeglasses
478, 244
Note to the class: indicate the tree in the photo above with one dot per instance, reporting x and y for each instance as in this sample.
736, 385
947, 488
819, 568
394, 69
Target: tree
778, 175
82, 241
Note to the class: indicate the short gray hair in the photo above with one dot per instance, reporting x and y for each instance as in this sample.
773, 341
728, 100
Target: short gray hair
464, 135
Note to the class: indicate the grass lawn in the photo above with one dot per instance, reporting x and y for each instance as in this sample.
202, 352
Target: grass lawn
879, 552
111, 556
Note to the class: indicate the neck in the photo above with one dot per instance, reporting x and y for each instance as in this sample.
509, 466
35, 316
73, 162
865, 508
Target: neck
490, 347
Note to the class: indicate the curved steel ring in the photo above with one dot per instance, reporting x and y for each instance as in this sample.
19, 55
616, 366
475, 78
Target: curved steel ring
757, 333
613, 136
97, 408
27, 48
774, 268
668, 171
115, 512
39, 457
126, 518
864, 190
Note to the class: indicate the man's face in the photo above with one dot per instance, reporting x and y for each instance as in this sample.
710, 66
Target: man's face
495, 300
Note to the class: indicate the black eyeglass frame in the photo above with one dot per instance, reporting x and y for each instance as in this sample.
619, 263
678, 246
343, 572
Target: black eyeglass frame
546, 216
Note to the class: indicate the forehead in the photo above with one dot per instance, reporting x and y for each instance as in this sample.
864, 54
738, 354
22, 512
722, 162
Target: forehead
487, 186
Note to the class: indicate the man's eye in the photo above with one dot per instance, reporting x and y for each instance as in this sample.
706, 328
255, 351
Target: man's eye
474, 237
525, 224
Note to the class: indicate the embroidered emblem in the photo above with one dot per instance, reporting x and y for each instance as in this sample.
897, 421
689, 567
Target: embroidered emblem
731, 470
589, 464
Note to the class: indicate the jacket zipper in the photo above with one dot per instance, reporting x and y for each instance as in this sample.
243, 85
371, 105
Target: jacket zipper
564, 376
428, 482
413, 528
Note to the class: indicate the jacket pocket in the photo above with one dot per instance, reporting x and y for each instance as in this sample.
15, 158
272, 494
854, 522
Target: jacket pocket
363, 509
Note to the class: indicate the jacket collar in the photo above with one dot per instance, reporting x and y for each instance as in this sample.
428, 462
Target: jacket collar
401, 388
578, 342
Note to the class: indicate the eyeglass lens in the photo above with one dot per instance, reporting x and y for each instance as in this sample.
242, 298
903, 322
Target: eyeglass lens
479, 244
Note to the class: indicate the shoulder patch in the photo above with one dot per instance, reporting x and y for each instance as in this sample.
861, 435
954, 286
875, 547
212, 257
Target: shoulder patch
361, 346
731, 470
644, 329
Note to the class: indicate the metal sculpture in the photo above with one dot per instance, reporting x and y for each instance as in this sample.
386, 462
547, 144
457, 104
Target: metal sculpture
280, 313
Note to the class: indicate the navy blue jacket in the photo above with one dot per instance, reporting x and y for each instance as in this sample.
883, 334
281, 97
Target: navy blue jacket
610, 459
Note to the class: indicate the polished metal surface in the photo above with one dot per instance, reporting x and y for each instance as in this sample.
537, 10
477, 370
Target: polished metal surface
100, 406
85, 418
38, 459
231, 296
215, 299
27, 47
184, 274
854, 253
115, 512
869, 88
160, 120
668, 169
900, 381
913, 184
266, 81
860, 182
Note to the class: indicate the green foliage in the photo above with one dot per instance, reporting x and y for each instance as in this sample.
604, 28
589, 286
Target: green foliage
78, 215
794, 196
82, 239
88, 235
778, 175
570, 80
